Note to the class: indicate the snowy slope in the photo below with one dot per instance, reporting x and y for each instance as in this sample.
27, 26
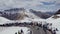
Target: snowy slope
30, 14
4, 20
55, 23
29, 17
13, 30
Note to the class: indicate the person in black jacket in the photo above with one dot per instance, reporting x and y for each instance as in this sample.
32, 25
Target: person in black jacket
45, 28
54, 32
40, 25
16, 33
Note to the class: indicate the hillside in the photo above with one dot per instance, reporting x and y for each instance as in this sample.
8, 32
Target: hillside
55, 20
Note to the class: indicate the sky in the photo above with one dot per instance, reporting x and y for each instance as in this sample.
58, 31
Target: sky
42, 5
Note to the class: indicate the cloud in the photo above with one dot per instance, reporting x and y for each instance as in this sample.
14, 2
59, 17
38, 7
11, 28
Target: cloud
48, 3
34, 4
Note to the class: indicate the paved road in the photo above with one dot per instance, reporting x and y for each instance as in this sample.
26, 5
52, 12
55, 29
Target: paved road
39, 31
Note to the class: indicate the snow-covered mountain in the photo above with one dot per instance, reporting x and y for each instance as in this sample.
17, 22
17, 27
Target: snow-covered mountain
20, 13
17, 13
23, 15
40, 14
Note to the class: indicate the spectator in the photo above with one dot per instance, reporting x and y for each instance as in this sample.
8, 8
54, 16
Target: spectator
30, 32
45, 28
21, 31
49, 27
56, 29
40, 25
31, 23
24, 23
16, 33
54, 32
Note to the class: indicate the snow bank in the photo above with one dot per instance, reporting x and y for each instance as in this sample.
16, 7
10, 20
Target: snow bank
13, 30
